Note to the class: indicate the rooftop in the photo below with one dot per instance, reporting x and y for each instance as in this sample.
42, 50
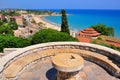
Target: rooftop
90, 32
2, 16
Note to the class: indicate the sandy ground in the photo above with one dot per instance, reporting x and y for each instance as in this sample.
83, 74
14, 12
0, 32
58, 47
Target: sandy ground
47, 24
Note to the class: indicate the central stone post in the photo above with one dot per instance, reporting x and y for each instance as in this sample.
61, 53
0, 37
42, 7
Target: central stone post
68, 66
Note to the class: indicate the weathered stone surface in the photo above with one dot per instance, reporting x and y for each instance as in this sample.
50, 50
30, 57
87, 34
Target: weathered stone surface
43, 70
68, 62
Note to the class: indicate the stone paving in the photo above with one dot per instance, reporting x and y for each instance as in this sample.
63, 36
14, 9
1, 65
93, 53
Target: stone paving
43, 70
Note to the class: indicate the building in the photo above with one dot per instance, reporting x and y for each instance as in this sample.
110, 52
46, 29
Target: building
89, 32
17, 19
22, 12
2, 17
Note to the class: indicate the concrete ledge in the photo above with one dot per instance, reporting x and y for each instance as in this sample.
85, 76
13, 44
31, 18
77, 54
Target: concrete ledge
1, 54
9, 50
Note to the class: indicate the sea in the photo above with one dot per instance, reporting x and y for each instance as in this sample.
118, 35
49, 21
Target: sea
80, 19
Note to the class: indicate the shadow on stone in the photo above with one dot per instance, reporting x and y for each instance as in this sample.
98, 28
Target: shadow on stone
51, 74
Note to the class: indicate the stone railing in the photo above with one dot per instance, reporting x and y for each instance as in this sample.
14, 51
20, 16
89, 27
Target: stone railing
6, 60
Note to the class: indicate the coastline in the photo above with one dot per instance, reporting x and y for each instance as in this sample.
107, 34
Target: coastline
43, 18
48, 24
51, 25
72, 33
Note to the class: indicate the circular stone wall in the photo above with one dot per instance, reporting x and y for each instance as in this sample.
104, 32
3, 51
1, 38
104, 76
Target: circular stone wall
7, 60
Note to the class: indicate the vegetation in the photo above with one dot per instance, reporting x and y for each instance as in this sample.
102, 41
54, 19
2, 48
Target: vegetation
41, 24
5, 20
38, 12
6, 29
13, 25
33, 21
102, 43
7, 41
10, 13
24, 22
50, 35
64, 25
1, 22
104, 30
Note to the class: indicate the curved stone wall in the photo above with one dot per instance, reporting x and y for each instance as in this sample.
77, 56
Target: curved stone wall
6, 60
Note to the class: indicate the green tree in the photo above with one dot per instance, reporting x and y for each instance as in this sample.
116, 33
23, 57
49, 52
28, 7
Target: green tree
111, 29
7, 41
13, 25
50, 35
4, 13
10, 13
1, 22
104, 30
5, 29
64, 25
5, 20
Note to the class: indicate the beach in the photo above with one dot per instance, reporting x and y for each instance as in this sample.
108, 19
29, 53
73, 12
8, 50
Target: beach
40, 18
47, 24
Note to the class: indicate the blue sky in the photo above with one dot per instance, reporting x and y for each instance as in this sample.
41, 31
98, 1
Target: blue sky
60, 4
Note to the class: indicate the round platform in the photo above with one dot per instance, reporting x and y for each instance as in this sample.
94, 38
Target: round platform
68, 62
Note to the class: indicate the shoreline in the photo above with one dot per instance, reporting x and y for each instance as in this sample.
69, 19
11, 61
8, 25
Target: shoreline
43, 18
72, 33
51, 25
48, 24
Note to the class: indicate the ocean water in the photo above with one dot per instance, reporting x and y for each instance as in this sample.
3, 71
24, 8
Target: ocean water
81, 19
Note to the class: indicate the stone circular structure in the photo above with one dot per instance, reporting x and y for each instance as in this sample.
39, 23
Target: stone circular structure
68, 66
100, 55
68, 62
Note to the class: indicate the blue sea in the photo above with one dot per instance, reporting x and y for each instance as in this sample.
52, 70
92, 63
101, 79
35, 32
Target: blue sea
81, 19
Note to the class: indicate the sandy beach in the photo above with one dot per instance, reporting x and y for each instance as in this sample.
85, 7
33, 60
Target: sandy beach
50, 25
47, 24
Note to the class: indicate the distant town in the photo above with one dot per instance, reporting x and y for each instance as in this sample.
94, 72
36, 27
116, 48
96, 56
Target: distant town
26, 20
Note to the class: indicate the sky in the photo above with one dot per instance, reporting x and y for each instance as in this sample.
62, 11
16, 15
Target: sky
60, 4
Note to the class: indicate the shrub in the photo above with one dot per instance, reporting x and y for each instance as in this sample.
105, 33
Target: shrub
50, 35
1, 22
106, 45
13, 25
7, 41
104, 30
6, 29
